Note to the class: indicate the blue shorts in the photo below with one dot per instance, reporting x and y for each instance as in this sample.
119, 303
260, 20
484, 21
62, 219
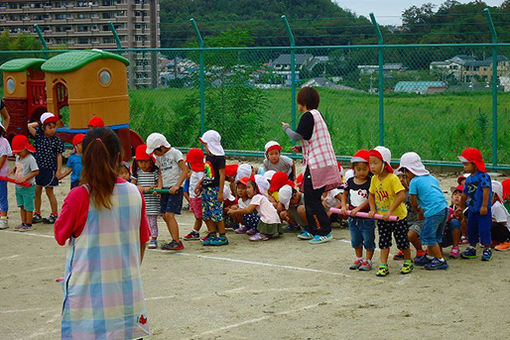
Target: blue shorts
46, 178
186, 185
433, 228
4, 202
362, 232
212, 210
171, 203
25, 197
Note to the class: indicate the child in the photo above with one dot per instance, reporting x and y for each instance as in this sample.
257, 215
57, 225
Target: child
195, 159
355, 198
500, 217
387, 196
95, 122
106, 225
229, 202
49, 149
5, 151
145, 177
172, 172
278, 180
125, 172
248, 221
276, 162
478, 189
74, 162
26, 170
292, 208
211, 187
269, 224
504, 246
428, 201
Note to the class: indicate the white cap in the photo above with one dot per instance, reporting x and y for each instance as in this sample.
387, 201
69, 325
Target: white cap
213, 140
262, 184
385, 153
227, 195
156, 140
349, 174
270, 144
244, 170
497, 188
285, 195
47, 115
269, 174
412, 162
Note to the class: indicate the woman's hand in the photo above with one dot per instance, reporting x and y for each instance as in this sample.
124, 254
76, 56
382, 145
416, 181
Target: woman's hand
295, 148
285, 125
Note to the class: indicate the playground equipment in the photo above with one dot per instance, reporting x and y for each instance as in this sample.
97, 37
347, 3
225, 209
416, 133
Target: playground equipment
75, 86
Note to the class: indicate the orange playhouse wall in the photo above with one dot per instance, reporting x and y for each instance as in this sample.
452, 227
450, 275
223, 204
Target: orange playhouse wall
20, 91
88, 98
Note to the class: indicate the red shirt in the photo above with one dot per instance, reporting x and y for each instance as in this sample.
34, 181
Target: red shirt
75, 211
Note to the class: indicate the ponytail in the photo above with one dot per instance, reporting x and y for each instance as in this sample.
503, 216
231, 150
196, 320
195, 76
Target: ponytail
101, 158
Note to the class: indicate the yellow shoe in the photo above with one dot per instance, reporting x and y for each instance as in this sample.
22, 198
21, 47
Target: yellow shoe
383, 270
407, 267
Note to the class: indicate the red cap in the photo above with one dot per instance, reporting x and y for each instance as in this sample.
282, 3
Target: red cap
339, 166
473, 155
299, 180
142, 155
377, 154
244, 180
195, 158
78, 139
506, 188
460, 178
231, 170
458, 188
360, 156
19, 143
274, 147
96, 122
279, 180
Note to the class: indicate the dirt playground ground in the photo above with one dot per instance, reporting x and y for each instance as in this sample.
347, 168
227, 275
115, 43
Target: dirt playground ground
280, 289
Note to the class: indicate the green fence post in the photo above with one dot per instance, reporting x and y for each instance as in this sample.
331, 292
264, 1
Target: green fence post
494, 88
202, 76
292, 70
43, 41
380, 43
115, 35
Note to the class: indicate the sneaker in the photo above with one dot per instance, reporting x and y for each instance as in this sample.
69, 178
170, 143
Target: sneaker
305, 235
455, 253
259, 237
18, 227
356, 264
464, 240
37, 218
241, 230
317, 239
407, 267
153, 244
193, 235
421, 260
208, 236
3, 223
503, 246
219, 241
365, 266
399, 256
436, 264
469, 253
173, 245
26, 228
487, 254
50, 220
251, 231
383, 270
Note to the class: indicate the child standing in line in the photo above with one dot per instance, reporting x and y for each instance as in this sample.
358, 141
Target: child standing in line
195, 159
74, 164
211, 187
355, 197
106, 224
386, 197
5, 151
478, 189
145, 177
26, 170
49, 149
172, 171
277, 162
428, 201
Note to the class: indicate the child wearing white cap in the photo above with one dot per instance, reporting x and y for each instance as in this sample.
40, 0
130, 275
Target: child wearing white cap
172, 171
292, 208
277, 162
500, 230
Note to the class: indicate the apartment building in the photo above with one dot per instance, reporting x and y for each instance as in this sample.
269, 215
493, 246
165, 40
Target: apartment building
85, 25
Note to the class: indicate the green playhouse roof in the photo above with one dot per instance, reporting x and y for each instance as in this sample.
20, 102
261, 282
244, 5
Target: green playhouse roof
20, 65
71, 61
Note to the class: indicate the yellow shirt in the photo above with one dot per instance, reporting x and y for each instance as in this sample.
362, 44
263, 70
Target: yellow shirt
275, 196
385, 192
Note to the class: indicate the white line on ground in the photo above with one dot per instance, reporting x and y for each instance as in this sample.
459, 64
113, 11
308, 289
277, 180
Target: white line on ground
21, 310
9, 257
28, 234
160, 297
32, 270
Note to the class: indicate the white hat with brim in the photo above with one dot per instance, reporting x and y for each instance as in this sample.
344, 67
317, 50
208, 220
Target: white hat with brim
285, 195
348, 174
269, 174
412, 162
213, 140
497, 188
244, 170
262, 184
227, 195
156, 140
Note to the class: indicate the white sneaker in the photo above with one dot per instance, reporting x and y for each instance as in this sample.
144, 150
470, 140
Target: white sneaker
3, 223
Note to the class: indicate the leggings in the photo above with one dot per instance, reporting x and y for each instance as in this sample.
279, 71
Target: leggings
153, 225
318, 219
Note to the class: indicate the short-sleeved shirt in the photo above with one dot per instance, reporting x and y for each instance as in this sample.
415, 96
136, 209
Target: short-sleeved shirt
5, 150
74, 162
332, 199
169, 166
385, 192
213, 164
24, 166
243, 204
193, 181
305, 126
358, 193
500, 214
284, 165
146, 180
474, 189
430, 197
47, 149
266, 210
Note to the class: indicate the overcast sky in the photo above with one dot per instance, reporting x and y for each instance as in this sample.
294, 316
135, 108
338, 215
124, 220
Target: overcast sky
387, 12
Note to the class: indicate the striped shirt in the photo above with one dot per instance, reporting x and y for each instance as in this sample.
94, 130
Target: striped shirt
148, 179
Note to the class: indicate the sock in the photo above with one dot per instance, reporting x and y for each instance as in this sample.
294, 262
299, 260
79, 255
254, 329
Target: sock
430, 257
359, 259
369, 261
420, 253
28, 225
24, 224
441, 259
54, 214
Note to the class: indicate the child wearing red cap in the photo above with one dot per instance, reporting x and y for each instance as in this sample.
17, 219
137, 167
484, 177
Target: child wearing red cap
195, 159
145, 177
95, 122
49, 149
479, 190
25, 170
74, 164
277, 162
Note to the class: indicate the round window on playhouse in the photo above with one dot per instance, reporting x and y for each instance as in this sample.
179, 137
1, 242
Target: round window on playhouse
105, 77
11, 85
